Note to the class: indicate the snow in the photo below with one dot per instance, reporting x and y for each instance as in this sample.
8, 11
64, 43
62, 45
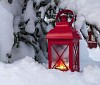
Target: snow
94, 53
84, 55
16, 7
89, 10
49, 27
22, 52
6, 33
29, 72
16, 23
87, 56
30, 14
6, 5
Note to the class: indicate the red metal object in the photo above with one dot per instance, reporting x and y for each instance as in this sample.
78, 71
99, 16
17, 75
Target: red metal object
63, 44
91, 40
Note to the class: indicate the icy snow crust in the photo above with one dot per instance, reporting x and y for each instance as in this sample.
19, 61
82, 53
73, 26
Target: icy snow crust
29, 72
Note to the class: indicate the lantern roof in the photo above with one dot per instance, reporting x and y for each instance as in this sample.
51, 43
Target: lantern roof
62, 30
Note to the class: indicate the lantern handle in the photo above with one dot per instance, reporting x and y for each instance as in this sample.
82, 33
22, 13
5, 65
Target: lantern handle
66, 12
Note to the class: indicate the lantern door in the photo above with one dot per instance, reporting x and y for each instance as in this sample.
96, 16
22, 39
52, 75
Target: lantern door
60, 57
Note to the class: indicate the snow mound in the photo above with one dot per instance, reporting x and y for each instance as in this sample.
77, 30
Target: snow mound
29, 72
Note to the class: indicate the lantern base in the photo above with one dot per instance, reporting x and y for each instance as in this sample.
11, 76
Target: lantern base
92, 45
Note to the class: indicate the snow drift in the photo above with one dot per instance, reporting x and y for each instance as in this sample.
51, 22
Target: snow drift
29, 72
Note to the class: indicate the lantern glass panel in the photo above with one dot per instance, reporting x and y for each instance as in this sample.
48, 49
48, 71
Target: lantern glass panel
60, 57
75, 56
93, 38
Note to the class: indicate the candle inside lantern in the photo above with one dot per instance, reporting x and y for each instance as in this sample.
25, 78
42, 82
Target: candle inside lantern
61, 65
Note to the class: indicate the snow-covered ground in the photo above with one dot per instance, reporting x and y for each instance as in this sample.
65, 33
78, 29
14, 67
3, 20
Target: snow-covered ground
29, 72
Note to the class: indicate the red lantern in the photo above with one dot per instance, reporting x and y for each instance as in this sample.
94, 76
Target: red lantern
63, 44
91, 40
